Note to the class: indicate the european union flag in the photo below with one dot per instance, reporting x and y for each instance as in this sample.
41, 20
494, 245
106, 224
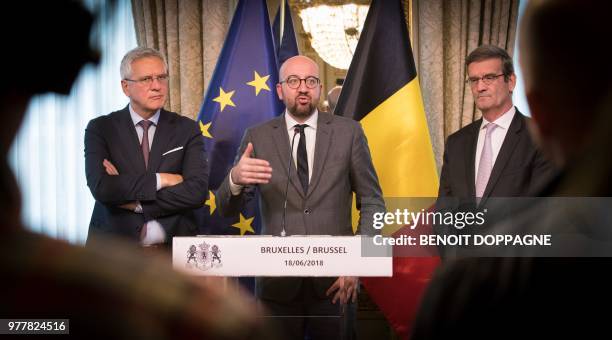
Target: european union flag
241, 94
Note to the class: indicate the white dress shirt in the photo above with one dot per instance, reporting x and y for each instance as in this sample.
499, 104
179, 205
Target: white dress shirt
155, 232
311, 136
497, 136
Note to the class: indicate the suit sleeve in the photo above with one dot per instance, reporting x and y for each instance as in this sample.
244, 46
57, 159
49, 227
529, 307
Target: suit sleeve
228, 204
192, 192
447, 199
107, 189
364, 182
445, 187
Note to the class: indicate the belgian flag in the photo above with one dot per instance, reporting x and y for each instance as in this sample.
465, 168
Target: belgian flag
382, 92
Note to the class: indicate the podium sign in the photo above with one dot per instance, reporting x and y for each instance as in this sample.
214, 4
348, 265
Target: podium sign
276, 256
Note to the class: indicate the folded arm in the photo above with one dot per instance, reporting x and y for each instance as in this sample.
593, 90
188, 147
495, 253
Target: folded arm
113, 189
191, 192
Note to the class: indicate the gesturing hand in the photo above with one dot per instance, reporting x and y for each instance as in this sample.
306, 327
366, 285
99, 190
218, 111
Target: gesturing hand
251, 170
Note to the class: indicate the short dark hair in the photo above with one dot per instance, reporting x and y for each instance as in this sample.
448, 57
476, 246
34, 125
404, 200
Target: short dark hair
485, 52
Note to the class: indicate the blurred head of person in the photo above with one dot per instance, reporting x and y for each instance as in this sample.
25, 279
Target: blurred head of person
46, 57
567, 73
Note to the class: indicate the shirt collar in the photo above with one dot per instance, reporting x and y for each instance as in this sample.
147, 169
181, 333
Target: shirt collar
136, 118
311, 121
503, 121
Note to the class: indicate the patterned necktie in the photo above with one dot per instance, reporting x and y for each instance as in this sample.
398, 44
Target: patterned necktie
486, 162
144, 145
302, 158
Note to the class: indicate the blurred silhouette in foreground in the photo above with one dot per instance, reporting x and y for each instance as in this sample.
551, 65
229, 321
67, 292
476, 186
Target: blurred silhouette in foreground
530, 294
108, 290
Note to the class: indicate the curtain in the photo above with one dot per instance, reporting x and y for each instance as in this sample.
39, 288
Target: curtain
47, 155
190, 33
447, 31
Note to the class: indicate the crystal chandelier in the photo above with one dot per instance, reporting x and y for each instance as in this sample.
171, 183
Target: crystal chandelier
334, 30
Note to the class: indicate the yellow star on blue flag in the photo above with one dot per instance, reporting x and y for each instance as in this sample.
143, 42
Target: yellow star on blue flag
224, 98
244, 225
211, 202
259, 83
204, 128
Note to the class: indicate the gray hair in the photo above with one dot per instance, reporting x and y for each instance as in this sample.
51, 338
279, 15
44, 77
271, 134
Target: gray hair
139, 53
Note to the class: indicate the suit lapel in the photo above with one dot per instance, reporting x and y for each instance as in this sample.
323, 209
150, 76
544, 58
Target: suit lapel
283, 148
163, 134
512, 138
322, 145
129, 139
470, 160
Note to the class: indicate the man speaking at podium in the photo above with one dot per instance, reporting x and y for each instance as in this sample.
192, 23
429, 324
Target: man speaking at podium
309, 193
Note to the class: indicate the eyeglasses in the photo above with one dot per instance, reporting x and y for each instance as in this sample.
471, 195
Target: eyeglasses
487, 79
148, 81
294, 82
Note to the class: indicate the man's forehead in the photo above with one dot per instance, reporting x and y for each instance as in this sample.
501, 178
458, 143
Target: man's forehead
300, 67
491, 64
148, 65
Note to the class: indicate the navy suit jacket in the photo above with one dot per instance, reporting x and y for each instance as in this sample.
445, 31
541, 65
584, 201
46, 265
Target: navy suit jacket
114, 137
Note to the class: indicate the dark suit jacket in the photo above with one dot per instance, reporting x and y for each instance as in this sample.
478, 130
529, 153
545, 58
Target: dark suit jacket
114, 137
342, 165
519, 170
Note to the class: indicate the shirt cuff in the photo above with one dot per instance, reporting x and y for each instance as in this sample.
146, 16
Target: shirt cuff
158, 182
235, 189
155, 234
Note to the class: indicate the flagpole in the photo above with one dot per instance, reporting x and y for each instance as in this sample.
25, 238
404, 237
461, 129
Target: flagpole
282, 22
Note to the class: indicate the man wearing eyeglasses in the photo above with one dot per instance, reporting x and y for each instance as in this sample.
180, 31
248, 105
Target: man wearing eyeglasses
146, 167
494, 156
330, 160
